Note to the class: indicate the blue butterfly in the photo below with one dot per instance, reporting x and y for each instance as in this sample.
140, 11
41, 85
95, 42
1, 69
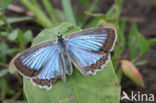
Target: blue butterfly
46, 62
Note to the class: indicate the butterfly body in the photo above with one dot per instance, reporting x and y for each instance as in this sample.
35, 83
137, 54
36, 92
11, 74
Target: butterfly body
46, 62
63, 49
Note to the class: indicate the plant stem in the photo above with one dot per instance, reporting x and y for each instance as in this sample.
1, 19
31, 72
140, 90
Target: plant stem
3, 18
135, 59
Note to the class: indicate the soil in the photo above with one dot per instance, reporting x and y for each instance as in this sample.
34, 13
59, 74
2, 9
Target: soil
143, 12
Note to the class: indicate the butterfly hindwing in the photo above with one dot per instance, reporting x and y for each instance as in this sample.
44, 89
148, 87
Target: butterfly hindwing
89, 49
88, 62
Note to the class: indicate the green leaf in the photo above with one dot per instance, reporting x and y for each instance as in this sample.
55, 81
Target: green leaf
151, 41
27, 36
5, 50
100, 88
4, 4
21, 40
20, 36
119, 74
132, 41
11, 51
3, 72
138, 45
13, 35
142, 43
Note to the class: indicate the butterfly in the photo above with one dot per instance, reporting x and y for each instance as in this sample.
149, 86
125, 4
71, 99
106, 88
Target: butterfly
89, 50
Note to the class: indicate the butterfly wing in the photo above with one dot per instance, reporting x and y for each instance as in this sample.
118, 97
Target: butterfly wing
89, 49
40, 63
51, 72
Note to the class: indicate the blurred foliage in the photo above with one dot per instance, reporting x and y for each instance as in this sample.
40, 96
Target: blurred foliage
5, 89
10, 42
14, 20
13, 41
3, 72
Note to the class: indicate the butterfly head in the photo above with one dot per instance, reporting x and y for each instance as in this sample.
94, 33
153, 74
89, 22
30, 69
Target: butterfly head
60, 37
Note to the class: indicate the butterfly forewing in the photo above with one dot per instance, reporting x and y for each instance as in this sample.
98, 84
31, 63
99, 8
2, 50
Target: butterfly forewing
40, 62
52, 71
97, 39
